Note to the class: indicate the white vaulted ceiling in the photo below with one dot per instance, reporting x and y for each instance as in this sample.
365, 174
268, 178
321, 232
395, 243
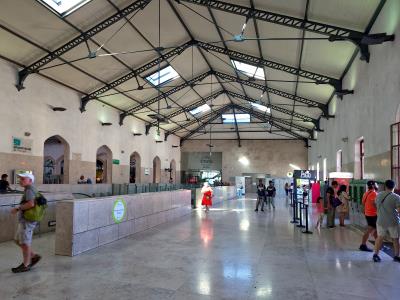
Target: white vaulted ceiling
29, 31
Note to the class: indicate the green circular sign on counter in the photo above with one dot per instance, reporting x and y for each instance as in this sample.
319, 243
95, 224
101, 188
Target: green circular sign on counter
119, 210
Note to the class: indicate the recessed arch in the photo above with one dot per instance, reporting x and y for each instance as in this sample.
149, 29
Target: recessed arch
104, 165
156, 170
56, 153
398, 114
172, 174
135, 167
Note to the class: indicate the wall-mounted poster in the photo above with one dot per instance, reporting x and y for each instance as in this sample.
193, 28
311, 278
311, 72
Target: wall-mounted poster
22, 145
146, 171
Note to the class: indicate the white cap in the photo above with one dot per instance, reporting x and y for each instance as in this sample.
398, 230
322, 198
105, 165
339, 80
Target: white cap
27, 175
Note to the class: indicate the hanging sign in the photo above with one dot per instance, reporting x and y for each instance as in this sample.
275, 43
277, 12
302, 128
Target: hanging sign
119, 210
305, 174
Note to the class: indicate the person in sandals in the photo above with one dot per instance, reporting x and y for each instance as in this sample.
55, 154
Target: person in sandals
23, 236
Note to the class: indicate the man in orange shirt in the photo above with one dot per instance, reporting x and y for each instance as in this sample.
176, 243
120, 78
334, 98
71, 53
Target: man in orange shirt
368, 200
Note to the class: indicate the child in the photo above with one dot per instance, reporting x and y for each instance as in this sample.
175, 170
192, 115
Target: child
321, 212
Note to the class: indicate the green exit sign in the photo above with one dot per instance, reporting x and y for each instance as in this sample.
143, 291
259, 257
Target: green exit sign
16, 142
115, 161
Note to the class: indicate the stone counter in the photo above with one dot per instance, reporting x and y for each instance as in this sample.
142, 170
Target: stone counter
86, 224
220, 193
8, 222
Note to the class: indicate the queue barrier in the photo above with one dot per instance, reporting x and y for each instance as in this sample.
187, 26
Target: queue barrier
300, 214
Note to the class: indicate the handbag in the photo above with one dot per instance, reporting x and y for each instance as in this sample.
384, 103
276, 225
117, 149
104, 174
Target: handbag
335, 201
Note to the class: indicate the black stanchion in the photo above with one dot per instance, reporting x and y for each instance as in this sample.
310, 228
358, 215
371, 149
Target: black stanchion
301, 214
306, 230
294, 212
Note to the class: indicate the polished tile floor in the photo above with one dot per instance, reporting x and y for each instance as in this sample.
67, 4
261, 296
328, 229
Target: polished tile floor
230, 253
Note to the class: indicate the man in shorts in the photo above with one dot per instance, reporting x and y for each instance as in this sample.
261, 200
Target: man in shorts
23, 236
388, 208
270, 194
368, 200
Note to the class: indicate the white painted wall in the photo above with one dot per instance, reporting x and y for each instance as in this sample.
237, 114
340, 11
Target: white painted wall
373, 108
29, 111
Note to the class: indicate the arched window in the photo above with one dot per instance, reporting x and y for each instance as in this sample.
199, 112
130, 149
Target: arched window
339, 161
156, 170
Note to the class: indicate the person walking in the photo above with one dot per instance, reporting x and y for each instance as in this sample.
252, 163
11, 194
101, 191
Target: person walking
343, 208
387, 224
368, 200
331, 194
287, 189
321, 212
270, 194
207, 196
23, 236
260, 195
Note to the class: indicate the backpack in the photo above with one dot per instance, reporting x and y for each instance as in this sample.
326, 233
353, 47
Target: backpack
36, 213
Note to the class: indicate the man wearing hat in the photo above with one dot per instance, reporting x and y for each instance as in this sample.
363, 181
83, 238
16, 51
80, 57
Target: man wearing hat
23, 236
368, 200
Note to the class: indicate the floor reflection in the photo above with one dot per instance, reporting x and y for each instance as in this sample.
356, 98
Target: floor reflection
206, 230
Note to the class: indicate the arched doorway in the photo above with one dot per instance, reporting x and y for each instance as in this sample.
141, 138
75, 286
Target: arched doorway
104, 165
135, 168
156, 170
172, 174
55, 160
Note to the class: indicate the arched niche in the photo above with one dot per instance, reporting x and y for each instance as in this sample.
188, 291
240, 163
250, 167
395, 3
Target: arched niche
172, 167
156, 170
135, 167
56, 153
104, 165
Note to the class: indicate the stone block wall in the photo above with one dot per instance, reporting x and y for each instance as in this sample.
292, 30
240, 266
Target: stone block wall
86, 224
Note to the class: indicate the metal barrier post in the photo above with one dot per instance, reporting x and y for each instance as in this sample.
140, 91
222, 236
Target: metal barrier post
306, 230
294, 212
301, 214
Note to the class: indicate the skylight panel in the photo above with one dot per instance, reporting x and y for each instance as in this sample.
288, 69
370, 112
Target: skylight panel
240, 118
261, 107
249, 70
163, 76
63, 7
201, 109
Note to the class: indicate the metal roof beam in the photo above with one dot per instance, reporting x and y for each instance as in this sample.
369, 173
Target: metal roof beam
277, 125
270, 119
279, 109
318, 78
193, 105
82, 38
335, 33
130, 75
163, 95
236, 126
255, 85
211, 119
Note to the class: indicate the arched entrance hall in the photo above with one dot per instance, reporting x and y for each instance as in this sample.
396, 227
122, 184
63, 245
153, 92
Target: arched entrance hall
104, 165
55, 160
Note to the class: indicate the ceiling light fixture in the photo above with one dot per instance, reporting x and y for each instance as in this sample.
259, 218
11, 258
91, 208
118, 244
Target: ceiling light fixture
295, 167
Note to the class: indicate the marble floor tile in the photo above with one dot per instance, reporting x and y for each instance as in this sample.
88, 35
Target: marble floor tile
229, 253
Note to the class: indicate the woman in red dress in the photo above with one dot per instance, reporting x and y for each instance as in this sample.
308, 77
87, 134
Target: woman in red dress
207, 196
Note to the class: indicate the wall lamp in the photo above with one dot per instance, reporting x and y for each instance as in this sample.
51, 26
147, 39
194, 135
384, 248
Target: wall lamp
137, 134
58, 108
106, 124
